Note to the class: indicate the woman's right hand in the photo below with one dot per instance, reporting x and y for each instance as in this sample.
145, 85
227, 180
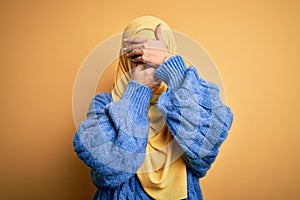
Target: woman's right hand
152, 52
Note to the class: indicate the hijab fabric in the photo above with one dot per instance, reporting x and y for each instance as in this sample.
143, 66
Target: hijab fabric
163, 172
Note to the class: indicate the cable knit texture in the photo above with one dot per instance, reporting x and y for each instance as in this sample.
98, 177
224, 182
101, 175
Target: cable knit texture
113, 138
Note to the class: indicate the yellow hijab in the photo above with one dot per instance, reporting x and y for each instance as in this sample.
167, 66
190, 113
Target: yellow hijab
163, 172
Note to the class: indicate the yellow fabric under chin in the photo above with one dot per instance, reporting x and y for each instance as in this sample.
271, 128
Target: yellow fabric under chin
163, 172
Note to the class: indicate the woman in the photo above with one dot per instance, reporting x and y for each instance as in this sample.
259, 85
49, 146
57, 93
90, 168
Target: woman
160, 128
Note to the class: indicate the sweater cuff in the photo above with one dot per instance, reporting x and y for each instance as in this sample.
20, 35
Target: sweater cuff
139, 96
172, 72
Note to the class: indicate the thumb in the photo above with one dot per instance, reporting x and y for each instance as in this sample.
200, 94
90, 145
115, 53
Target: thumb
157, 32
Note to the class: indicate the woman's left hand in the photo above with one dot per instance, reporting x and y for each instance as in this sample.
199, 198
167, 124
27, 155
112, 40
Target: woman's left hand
151, 52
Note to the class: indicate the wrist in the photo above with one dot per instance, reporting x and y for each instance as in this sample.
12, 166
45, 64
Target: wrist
166, 57
172, 72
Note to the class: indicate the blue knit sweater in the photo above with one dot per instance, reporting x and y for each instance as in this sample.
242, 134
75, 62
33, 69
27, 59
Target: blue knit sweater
113, 138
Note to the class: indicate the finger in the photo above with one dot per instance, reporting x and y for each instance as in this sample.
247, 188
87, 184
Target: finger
132, 47
148, 65
135, 40
152, 86
135, 52
157, 32
138, 59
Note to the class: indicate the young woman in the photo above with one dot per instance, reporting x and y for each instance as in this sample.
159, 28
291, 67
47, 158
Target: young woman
160, 128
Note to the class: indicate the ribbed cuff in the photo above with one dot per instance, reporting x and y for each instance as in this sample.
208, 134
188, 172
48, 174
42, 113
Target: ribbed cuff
139, 96
172, 72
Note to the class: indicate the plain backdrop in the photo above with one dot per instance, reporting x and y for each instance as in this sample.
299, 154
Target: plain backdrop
255, 45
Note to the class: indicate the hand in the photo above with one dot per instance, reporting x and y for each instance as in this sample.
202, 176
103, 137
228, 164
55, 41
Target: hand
151, 52
145, 75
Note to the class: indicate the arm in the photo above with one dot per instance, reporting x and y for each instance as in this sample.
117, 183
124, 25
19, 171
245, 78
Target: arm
112, 140
194, 113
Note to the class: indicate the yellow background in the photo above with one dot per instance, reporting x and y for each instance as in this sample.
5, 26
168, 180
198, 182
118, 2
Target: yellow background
255, 45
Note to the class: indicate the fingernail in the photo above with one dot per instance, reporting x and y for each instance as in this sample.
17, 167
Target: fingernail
125, 39
124, 49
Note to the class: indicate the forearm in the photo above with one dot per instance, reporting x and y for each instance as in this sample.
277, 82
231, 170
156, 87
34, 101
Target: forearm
112, 140
194, 113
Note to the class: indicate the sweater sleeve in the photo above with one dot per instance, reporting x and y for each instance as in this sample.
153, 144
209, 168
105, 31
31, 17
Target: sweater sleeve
194, 113
112, 140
